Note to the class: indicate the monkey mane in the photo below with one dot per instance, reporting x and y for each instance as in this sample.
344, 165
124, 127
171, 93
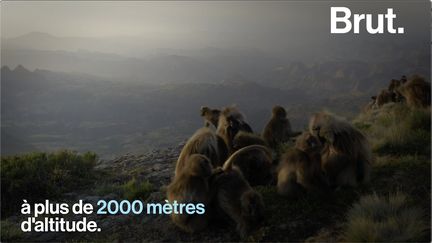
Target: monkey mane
198, 165
233, 112
243, 139
228, 164
416, 91
328, 123
342, 137
209, 147
204, 141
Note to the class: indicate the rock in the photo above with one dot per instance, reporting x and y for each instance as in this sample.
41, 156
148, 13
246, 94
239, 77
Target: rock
156, 197
46, 237
90, 199
70, 195
110, 196
283, 226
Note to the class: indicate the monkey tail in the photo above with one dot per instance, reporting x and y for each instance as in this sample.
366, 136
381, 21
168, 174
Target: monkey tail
247, 149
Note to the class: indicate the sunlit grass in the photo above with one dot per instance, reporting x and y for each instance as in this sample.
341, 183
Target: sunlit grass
379, 219
397, 129
39, 176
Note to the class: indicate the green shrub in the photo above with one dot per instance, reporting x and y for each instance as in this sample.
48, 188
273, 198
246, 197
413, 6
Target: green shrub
39, 176
107, 188
419, 119
376, 218
362, 126
133, 189
402, 141
397, 129
398, 163
10, 232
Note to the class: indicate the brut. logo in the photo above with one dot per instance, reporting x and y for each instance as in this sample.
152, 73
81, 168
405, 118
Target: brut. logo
375, 26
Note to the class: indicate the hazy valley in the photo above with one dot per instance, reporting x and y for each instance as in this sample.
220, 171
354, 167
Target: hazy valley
58, 95
103, 101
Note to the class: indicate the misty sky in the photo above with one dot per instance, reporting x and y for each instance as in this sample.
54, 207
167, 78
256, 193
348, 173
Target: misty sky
265, 25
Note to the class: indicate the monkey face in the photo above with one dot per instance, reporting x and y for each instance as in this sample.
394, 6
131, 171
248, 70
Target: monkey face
279, 111
204, 110
317, 126
215, 113
394, 84
312, 142
236, 125
211, 115
314, 128
307, 142
233, 127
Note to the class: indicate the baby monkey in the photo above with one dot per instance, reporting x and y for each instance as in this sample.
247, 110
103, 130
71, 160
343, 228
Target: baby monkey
300, 168
234, 197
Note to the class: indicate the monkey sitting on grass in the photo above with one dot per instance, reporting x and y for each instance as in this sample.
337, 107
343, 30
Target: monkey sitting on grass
300, 169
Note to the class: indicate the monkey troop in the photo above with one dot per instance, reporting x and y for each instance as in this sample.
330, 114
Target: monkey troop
222, 161
415, 92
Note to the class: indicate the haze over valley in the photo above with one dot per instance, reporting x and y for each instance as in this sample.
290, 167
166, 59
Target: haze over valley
141, 88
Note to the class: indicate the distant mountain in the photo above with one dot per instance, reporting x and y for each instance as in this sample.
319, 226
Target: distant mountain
365, 67
156, 69
48, 42
322, 78
138, 46
333, 77
145, 98
49, 110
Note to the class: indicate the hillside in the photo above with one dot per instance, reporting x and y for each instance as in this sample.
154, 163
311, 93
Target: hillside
401, 144
47, 110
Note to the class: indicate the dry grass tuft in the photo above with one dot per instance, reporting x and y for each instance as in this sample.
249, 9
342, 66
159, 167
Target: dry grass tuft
391, 219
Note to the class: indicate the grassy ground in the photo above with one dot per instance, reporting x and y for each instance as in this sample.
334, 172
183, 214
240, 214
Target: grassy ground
400, 138
40, 176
